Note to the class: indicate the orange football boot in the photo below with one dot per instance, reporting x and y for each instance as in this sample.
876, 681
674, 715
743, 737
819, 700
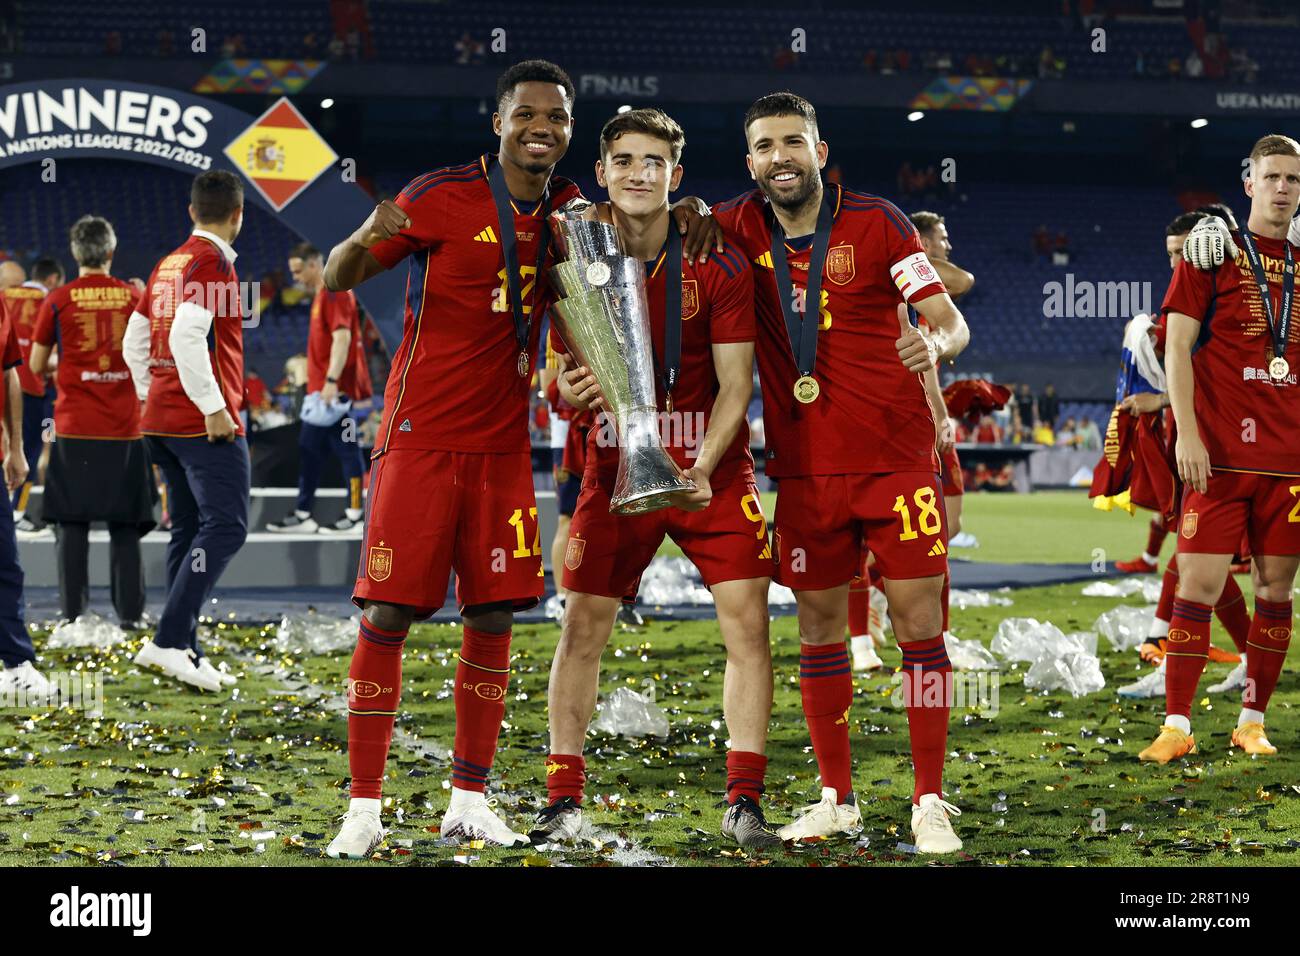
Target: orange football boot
1170, 745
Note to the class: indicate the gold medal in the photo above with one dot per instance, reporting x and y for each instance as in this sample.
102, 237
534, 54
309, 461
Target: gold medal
523, 364
1279, 369
806, 389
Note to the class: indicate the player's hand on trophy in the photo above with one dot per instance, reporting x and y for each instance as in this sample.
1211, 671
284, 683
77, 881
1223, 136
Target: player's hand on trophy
220, 426
1209, 243
698, 499
384, 222
15, 471
1143, 403
1193, 460
917, 351
700, 232
578, 385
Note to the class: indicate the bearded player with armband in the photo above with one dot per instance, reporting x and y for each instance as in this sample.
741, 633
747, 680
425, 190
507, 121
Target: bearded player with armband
851, 439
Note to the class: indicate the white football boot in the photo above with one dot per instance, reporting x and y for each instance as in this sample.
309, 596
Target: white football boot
824, 819
25, 681
176, 663
1235, 680
471, 817
1152, 685
931, 828
225, 678
360, 833
865, 657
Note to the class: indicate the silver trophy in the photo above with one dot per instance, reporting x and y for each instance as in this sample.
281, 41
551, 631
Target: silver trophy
603, 318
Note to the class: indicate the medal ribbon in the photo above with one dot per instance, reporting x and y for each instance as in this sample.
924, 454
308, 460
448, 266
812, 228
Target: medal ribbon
1280, 327
510, 248
803, 334
672, 360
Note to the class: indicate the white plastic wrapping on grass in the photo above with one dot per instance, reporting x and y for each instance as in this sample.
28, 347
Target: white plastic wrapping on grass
961, 599
1059, 661
88, 630
1148, 587
316, 634
1125, 626
627, 713
673, 581
969, 655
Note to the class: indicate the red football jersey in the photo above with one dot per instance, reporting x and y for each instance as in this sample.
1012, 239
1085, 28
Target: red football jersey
196, 272
717, 308
10, 354
1230, 363
455, 384
331, 311
872, 415
23, 302
86, 319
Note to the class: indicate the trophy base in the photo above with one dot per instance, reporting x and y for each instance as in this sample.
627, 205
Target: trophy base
643, 502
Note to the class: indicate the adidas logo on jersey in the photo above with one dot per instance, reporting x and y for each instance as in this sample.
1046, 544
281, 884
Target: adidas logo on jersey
938, 549
405, 426
487, 235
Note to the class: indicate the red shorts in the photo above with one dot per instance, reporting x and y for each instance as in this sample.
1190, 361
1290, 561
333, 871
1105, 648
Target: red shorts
1266, 508
727, 541
951, 474
823, 520
432, 512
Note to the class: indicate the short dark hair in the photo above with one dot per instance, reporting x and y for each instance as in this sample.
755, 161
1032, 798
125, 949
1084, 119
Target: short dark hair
1220, 210
533, 71
93, 241
305, 251
45, 267
784, 103
216, 195
651, 122
1184, 222
925, 221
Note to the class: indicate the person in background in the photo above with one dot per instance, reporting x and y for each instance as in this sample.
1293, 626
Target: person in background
22, 301
1089, 438
337, 378
99, 468
1049, 406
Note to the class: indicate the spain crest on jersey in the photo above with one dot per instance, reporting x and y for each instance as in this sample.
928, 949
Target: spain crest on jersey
573, 554
379, 565
839, 264
1189, 524
690, 298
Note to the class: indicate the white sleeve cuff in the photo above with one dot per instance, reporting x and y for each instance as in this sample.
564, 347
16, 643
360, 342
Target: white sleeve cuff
135, 350
189, 344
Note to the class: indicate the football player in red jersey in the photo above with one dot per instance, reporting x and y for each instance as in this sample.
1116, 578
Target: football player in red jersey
184, 346
1236, 412
336, 368
99, 467
708, 311
453, 447
23, 300
851, 438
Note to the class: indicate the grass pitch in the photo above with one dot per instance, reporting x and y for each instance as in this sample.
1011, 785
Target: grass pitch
172, 777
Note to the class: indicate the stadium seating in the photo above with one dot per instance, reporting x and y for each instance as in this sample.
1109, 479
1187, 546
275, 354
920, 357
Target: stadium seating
838, 39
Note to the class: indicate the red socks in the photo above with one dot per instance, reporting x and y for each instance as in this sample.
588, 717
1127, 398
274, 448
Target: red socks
859, 607
1168, 590
1156, 536
374, 689
1270, 636
1231, 612
745, 772
826, 684
481, 680
927, 686
566, 776
1186, 647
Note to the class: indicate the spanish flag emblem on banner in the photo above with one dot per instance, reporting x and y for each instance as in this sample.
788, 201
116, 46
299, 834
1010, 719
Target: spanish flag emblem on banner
280, 154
